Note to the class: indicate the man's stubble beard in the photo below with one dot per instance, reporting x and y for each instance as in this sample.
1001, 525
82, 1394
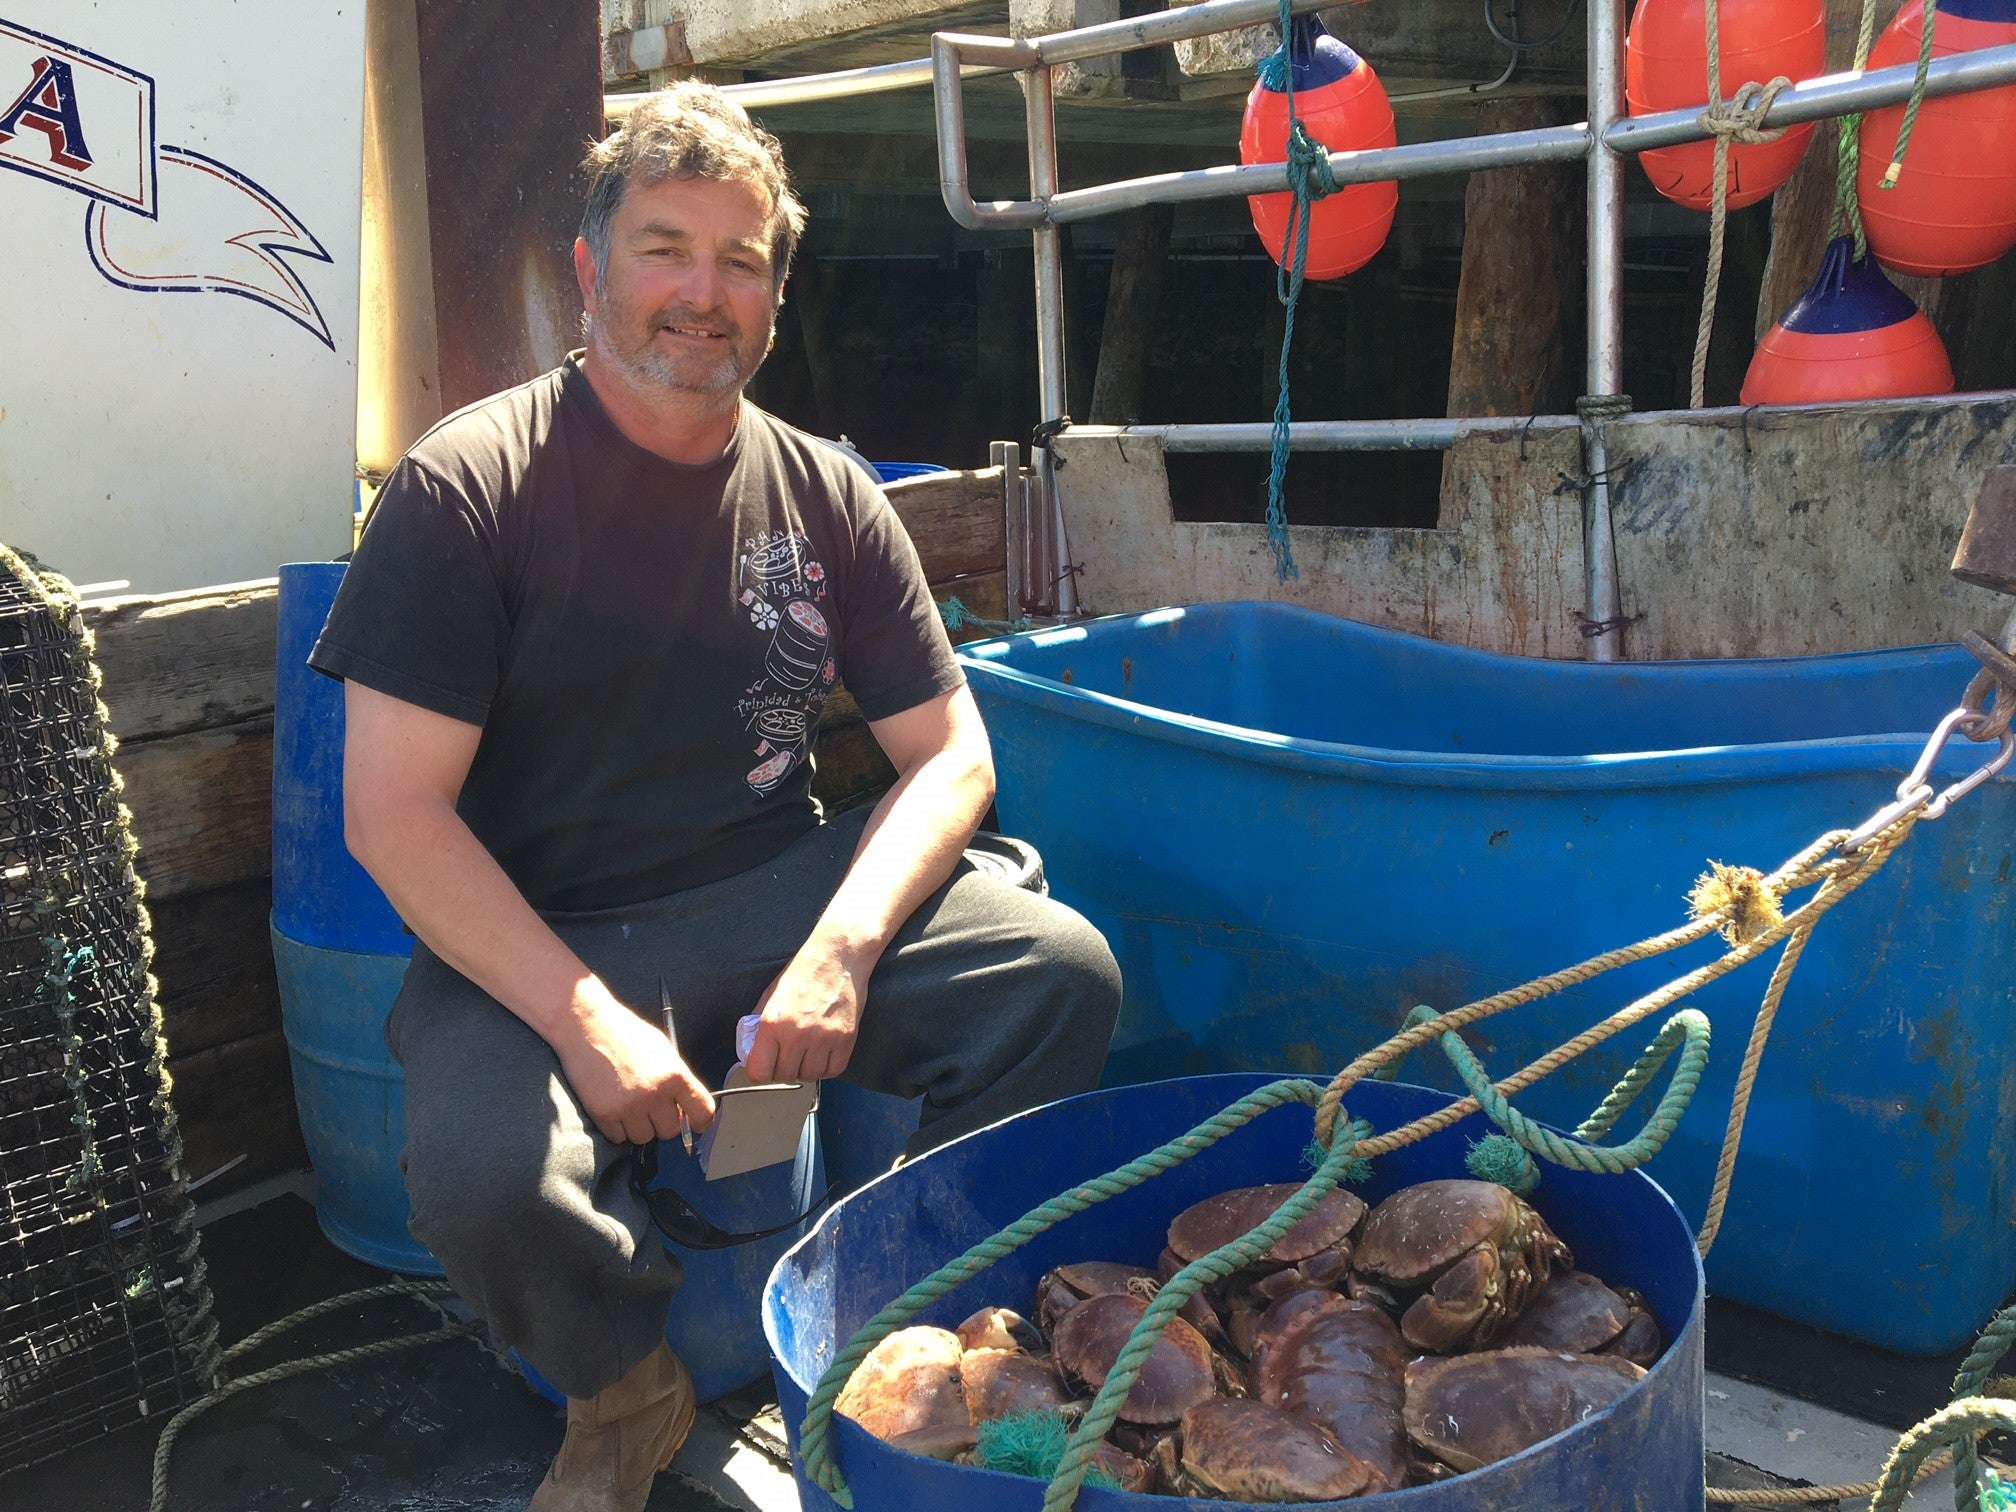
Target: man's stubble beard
648, 367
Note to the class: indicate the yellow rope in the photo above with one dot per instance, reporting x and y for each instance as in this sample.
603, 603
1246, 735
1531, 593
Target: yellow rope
1737, 119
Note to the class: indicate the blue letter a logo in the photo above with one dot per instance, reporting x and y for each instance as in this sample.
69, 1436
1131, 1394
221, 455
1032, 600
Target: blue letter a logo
49, 105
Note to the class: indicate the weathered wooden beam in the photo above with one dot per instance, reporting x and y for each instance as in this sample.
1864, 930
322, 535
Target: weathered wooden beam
1518, 302
238, 1099
214, 960
202, 807
1133, 290
957, 520
186, 661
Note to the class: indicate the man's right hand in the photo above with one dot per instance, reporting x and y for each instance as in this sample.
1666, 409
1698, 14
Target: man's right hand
631, 1082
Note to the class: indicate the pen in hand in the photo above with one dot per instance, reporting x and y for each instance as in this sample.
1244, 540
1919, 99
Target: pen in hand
672, 1034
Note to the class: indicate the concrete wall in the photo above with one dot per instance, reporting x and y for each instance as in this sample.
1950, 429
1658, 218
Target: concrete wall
1758, 533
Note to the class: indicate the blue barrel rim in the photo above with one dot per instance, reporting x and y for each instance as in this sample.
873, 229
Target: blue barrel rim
983, 664
1682, 1345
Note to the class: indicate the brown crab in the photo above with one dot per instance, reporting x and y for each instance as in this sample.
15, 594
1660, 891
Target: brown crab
1462, 1257
1007, 1382
1065, 1287
1000, 1328
1474, 1410
1579, 1314
1176, 1376
1316, 1252
1341, 1364
1250, 1452
908, 1392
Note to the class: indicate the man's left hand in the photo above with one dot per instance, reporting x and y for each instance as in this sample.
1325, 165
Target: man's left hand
808, 1017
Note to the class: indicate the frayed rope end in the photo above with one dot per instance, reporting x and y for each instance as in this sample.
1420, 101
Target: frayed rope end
1739, 893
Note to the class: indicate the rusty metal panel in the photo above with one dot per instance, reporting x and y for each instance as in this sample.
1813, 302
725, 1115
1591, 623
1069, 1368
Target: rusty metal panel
511, 94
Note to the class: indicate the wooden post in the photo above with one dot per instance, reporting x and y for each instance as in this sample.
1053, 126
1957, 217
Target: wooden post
1133, 290
1517, 302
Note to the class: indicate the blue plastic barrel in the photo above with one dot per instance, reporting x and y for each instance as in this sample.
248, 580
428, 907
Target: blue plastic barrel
715, 1325
350, 1096
863, 1132
1645, 1450
1293, 828
321, 896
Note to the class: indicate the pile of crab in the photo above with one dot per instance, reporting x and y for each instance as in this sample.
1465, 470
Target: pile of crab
1440, 1331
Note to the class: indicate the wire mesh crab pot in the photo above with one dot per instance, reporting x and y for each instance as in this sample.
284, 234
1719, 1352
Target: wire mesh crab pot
104, 1313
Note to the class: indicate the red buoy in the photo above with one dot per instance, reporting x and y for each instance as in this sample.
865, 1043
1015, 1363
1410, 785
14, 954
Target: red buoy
1342, 105
1853, 335
1954, 205
1666, 68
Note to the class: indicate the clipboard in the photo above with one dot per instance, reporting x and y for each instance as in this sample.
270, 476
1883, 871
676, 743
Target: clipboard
756, 1124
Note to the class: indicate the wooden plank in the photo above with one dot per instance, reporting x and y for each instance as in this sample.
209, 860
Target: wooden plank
238, 1099
186, 661
957, 519
202, 807
214, 959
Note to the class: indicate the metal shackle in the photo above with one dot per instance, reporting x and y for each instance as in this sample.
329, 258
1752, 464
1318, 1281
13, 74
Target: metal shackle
1986, 557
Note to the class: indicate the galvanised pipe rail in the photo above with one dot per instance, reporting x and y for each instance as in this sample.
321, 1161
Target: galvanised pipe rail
1333, 435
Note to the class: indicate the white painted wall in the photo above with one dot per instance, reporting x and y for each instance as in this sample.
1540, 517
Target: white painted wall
178, 393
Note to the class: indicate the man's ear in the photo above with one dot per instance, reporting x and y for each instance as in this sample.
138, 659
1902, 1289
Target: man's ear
584, 274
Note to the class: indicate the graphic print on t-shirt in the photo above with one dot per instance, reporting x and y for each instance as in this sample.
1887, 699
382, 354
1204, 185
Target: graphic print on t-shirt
781, 586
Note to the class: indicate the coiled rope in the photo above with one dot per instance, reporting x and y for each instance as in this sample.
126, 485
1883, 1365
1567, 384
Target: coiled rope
164, 1447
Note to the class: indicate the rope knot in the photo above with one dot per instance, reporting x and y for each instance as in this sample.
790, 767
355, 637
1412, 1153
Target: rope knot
1309, 172
1740, 118
1747, 903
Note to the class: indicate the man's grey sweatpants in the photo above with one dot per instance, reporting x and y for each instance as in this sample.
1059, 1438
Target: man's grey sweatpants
989, 1001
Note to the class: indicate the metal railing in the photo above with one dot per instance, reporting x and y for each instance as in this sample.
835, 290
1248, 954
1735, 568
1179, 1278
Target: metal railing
956, 58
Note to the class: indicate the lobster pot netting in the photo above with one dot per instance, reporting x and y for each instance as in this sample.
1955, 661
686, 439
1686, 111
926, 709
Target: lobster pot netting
104, 1312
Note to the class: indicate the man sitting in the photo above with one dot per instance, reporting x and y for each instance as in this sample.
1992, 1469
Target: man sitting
586, 640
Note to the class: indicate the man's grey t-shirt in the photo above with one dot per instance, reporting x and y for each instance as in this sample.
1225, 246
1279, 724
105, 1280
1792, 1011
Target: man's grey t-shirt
646, 645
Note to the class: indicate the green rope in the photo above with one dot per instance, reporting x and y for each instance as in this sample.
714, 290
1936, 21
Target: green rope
1310, 179
1973, 1375
1928, 23
1848, 131
63, 967
815, 1435
958, 617
1686, 1031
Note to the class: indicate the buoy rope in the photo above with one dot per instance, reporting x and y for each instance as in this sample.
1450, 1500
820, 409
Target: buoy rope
1823, 865
1848, 129
1737, 119
1786, 1496
1309, 179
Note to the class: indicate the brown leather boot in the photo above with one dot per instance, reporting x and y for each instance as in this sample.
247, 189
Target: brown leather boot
618, 1441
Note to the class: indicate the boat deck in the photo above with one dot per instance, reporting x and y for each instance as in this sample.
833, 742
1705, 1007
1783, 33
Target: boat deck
450, 1428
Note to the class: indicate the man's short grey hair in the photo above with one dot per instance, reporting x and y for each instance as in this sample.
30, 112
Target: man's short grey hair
689, 130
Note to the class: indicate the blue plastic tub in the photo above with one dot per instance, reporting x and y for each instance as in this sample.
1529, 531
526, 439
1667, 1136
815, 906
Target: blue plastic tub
892, 472
1643, 1451
1293, 828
